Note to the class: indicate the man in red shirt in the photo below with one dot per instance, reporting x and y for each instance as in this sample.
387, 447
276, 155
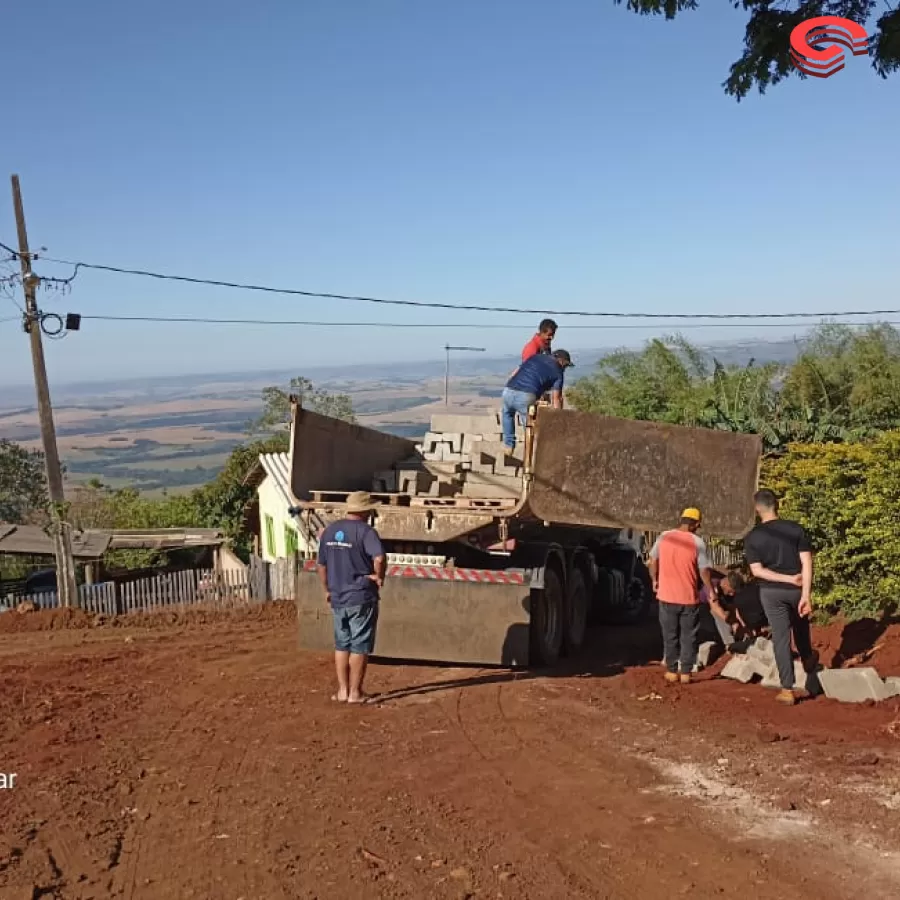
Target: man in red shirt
676, 559
541, 342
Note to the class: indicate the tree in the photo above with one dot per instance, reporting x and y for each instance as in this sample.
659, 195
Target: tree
23, 485
844, 386
95, 505
276, 414
853, 374
221, 503
667, 381
766, 59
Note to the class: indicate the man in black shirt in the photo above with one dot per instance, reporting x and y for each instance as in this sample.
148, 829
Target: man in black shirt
780, 558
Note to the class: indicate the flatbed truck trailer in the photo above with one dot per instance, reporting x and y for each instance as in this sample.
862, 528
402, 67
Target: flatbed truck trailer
516, 581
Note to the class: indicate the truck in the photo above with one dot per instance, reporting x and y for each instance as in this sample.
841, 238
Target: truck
499, 560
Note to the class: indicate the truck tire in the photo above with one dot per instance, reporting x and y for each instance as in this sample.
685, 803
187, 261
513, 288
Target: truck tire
547, 620
577, 604
638, 596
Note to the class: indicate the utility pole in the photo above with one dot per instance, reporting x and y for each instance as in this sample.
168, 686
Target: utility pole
448, 348
61, 531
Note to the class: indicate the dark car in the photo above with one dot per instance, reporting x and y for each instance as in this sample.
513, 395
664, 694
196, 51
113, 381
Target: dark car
42, 582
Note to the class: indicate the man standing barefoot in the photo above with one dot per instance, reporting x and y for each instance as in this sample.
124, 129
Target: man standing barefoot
351, 569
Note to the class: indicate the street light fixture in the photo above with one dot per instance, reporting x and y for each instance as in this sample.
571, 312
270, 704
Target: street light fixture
448, 348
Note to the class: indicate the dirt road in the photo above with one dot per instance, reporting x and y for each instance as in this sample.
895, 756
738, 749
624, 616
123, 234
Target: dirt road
206, 760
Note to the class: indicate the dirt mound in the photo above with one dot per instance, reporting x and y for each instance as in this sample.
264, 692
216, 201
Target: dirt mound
44, 620
278, 612
870, 642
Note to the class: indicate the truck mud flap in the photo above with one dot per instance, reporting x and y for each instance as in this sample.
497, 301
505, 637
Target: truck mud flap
432, 620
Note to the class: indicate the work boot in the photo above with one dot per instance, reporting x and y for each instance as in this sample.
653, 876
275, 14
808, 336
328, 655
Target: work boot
672, 677
786, 697
686, 678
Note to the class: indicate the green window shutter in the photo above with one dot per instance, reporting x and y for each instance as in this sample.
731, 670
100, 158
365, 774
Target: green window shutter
270, 536
290, 541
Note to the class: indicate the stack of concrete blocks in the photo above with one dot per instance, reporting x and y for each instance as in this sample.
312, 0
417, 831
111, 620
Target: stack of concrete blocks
759, 662
460, 456
846, 685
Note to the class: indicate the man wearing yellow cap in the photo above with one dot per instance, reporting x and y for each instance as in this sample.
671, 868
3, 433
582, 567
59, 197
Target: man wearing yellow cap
676, 559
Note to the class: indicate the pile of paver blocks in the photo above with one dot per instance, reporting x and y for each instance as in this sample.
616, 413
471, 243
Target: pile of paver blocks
846, 685
460, 456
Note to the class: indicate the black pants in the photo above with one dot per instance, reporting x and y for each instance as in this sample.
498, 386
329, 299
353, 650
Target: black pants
680, 626
781, 604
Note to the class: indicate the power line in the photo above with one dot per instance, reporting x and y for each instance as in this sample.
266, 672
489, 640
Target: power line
421, 304
199, 320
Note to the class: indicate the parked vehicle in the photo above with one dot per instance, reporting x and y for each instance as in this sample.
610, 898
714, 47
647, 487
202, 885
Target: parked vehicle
515, 582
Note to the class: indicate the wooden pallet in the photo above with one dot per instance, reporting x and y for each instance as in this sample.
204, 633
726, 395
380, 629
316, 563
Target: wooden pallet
464, 503
341, 497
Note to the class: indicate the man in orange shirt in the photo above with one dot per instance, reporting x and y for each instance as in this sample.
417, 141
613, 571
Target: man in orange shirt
676, 559
541, 342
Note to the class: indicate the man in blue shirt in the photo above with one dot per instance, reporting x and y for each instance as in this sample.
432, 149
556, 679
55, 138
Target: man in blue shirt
534, 378
351, 570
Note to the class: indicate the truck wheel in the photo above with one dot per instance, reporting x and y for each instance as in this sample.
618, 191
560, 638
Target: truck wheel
547, 620
576, 611
638, 596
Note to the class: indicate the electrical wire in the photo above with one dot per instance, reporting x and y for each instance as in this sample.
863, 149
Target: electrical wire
421, 304
201, 320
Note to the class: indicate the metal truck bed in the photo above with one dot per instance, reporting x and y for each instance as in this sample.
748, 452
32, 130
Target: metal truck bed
580, 470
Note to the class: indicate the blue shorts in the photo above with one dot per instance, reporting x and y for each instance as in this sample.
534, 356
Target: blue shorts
354, 628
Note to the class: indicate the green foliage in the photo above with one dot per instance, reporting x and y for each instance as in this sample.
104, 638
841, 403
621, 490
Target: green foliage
276, 414
854, 375
23, 485
845, 386
766, 58
94, 505
221, 503
847, 496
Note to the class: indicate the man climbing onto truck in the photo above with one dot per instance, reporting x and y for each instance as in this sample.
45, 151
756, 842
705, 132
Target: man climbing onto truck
541, 342
352, 564
534, 378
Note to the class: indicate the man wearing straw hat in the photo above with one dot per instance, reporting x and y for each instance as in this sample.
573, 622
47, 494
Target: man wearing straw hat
351, 570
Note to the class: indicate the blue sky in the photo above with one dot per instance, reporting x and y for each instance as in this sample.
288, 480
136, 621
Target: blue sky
506, 152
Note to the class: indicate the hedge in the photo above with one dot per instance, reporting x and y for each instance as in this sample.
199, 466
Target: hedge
847, 496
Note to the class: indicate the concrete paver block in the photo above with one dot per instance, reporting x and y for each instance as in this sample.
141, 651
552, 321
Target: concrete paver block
762, 649
385, 482
468, 441
454, 439
771, 678
465, 424
853, 685
892, 684
740, 669
707, 653
490, 487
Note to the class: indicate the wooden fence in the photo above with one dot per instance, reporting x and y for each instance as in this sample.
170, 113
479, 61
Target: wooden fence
258, 583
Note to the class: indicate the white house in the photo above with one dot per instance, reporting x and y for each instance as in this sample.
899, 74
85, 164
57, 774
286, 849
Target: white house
277, 535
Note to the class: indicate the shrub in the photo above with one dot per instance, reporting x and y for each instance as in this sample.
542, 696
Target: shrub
847, 496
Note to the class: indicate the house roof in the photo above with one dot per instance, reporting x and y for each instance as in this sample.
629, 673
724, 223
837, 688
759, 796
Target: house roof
165, 538
32, 540
277, 467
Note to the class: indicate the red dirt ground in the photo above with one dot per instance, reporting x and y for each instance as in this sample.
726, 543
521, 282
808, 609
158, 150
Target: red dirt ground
200, 756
